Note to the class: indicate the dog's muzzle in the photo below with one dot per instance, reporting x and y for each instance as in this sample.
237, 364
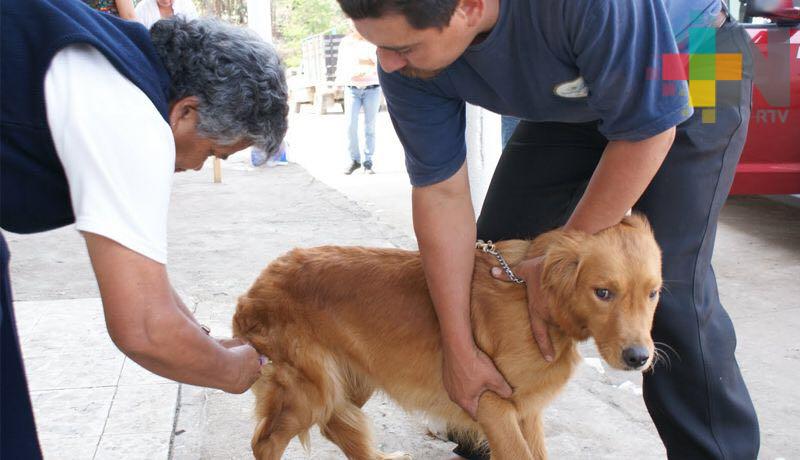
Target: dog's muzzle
635, 357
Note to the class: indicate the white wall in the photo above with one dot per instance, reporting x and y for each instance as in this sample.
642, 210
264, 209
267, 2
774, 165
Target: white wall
259, 18
483, 151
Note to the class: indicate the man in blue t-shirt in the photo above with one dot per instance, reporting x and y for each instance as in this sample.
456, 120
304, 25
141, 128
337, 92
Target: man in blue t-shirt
602, 132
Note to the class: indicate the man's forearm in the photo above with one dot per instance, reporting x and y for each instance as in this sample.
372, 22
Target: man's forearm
174, 347
624, 172
445, 226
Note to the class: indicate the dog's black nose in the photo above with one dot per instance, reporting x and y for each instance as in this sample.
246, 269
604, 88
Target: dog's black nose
635, 357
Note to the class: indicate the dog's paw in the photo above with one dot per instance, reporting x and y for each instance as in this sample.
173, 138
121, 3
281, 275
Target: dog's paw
395, 456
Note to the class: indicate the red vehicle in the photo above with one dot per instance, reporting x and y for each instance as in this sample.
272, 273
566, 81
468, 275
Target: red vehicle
770, 162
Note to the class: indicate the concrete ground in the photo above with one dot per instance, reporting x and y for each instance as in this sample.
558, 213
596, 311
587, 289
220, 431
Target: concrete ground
92, 402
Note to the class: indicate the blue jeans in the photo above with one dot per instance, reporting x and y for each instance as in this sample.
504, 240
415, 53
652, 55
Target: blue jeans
354, 99
507, 127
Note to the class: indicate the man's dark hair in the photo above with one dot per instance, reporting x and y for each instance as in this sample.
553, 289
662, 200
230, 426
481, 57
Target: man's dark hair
420, 14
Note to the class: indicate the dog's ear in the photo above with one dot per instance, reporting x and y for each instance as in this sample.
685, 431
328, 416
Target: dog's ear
636, 220
561, 266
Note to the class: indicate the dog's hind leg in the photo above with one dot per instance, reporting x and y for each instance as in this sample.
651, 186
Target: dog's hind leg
498, 419
533, 432
349, 429
283, 415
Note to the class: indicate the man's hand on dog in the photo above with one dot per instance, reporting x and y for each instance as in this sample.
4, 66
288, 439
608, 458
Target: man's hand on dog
531, 271
249, 364
467, 375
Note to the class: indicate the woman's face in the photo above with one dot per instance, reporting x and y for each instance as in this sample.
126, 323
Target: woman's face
192, 148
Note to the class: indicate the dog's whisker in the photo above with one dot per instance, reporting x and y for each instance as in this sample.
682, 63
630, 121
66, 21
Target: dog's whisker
667, 346
660, 355
663, 357
665, 289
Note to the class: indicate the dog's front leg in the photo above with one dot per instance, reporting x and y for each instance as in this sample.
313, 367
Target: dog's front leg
499, 421
533, 432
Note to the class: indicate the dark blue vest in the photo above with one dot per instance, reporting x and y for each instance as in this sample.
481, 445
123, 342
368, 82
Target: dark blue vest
34, 194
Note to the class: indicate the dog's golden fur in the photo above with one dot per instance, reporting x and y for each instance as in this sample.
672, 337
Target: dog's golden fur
341, 322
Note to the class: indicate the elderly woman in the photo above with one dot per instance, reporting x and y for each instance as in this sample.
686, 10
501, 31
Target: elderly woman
97, 113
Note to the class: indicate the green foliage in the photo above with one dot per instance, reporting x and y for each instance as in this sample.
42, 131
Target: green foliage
294, 20
233, 11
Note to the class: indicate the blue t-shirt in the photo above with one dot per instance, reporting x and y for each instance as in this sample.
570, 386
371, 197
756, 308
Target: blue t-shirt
570, 61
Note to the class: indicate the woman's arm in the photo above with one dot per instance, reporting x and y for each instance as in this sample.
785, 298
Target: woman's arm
125, 9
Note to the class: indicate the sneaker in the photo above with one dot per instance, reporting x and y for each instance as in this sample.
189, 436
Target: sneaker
368, 168
353, 166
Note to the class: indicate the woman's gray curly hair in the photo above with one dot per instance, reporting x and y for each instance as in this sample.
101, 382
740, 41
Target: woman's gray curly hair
237, 76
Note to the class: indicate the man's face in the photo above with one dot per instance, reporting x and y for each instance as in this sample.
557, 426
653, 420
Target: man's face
413, 52
164, 3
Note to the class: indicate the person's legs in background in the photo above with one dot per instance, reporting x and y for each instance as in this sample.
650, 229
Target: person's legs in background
507, 126
352, 107
371, 103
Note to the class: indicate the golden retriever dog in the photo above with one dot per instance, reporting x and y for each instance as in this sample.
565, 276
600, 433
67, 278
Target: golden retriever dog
339, 323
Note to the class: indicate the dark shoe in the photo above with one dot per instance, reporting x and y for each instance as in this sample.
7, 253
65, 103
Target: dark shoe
368, 168
470, 446
353, 166
471, 452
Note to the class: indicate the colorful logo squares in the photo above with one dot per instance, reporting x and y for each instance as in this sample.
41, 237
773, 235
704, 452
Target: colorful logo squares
702, 67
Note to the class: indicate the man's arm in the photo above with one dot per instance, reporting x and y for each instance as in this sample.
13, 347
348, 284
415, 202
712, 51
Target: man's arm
624, 172
445, 229
444, 223
147, 324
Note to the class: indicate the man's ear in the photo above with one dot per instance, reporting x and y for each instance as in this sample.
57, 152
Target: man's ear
562, 263
182, 110
472, 11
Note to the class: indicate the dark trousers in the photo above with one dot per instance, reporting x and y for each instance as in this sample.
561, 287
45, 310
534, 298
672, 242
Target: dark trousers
699, 402
17, 429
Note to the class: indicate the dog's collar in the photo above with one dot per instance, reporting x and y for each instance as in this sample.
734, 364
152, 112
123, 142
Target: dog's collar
488, 248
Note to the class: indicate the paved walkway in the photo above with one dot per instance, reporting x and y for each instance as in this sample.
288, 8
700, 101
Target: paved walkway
92, 402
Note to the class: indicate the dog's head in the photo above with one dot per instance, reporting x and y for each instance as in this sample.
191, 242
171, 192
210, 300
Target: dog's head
606, 286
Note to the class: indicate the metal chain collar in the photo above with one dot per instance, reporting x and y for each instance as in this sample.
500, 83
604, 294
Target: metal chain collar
488, 247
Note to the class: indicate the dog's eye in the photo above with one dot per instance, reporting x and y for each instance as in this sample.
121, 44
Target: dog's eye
603, 294
653, 294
